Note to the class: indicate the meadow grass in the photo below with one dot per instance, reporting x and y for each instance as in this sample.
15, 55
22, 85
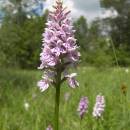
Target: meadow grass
24, 107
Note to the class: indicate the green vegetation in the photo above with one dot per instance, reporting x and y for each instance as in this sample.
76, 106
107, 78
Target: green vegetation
18, 90
20, 44
104, 43
20, 37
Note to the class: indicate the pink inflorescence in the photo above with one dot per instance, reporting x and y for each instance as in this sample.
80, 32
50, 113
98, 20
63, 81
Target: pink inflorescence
83, 106
99, 106
59, 49
49, 128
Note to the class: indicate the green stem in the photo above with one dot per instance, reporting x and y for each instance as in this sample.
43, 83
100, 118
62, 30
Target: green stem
57, 101
116, 59
98, 123
80, 124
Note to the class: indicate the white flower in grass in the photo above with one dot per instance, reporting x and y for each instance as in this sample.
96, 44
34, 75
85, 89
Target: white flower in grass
26, 106
127, 70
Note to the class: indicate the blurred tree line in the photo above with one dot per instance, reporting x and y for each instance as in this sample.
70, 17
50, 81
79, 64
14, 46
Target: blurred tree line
20, 37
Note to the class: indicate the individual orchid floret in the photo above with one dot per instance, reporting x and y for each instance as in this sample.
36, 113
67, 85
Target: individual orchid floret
43, 84
83, 106
99, 106
72, 81
47, 79
59, 49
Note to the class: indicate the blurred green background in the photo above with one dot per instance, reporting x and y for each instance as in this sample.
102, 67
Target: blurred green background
104, 68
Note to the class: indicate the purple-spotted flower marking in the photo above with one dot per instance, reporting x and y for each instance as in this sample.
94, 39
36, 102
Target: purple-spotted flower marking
99, 106
83, 106
59, 49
